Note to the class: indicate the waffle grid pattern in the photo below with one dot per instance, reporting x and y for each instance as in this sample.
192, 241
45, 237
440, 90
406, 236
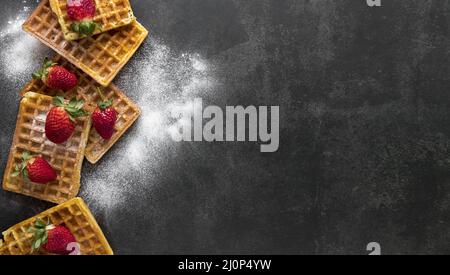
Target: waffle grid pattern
101, 56
110, 14
128, 111
75, 215
66, 158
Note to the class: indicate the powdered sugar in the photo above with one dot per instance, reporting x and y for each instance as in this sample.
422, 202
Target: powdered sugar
160, 81
164, 81
21, 54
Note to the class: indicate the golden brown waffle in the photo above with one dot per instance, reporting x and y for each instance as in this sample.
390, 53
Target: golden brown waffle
66, 158
110, 14
101, 56
73, 214
128, 111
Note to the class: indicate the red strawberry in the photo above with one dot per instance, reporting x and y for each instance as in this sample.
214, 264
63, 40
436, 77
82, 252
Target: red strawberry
59, 125
53, 238
56, 77
35, 169
78, 10
58, 239
104, 117
82, 12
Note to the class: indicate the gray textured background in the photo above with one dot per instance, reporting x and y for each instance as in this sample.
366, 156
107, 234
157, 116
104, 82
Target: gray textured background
364, 99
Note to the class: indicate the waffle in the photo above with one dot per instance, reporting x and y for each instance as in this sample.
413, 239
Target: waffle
66, 158
101, 56
128, 112
110, 14
75, 215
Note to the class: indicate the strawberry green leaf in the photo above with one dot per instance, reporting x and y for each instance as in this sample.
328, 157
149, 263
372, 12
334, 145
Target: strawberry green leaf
105, 104
73, 102
58, 101
37, 244
85, 28
79, 104
45, 238
25, 175
75, 108
49, 63
39, 230
17, 171
22, 167
43, 72
15, 174
40, 223
26, 156
38, 74
75, 27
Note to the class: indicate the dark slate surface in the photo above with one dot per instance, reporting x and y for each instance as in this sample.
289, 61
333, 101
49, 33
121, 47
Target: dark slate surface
364, 99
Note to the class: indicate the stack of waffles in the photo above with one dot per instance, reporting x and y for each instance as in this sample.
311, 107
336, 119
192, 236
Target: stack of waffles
99, 56
95, 59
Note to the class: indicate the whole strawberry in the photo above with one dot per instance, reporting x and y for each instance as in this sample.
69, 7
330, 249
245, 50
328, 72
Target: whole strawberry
82, 12
56, 77
60, 122
35, 169
104, 117
53, 238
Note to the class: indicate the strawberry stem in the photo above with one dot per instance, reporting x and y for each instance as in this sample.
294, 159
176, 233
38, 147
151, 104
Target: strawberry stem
43, 72
74, 108
21, 169
104, 102
85, 28
100, 93
40, 230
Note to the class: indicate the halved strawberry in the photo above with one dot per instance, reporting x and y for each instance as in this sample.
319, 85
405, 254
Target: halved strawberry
60, 122
35, 169
53, 238
56, 77
82, 12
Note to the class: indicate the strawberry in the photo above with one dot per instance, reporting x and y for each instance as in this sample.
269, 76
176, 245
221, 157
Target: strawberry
82, 12
104, 117
35, 169
56, 77
60, 122
53, 238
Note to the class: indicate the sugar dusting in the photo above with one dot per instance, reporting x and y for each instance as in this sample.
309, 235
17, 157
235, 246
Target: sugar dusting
161, 82
21, 54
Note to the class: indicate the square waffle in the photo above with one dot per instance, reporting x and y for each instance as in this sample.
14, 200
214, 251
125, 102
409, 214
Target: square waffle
73, 214
128, 111
66, 158
101, 56
110, 14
